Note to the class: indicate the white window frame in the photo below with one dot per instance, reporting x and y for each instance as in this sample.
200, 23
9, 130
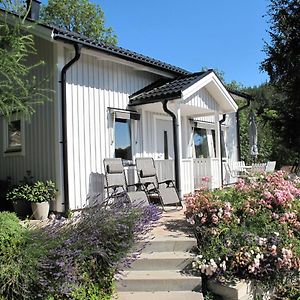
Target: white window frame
7, 151
156, 118
209, 127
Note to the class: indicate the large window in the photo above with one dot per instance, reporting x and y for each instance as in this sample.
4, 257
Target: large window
13, 135
201, 143
123, 139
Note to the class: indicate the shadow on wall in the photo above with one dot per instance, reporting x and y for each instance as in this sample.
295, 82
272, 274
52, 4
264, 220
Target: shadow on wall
96, 193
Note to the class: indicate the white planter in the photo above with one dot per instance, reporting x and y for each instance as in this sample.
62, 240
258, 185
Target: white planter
243, 290
40, 210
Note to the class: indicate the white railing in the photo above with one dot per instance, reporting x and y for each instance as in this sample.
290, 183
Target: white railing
195, 173
207, 173
165, 170
187, 175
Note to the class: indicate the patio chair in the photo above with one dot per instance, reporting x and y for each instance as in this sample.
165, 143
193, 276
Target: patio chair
116, 184
270, 166
234, 172
165, 190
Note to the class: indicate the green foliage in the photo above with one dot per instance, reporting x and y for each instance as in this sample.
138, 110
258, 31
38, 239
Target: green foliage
20, 90
11, 232
39, 191
79, 16
283, 65
271, 144
20, 252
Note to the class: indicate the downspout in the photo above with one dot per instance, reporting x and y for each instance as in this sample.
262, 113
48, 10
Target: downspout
176, 146
64, 141
238, 127
221, 150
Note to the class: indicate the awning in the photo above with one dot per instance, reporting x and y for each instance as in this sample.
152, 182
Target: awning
124, 113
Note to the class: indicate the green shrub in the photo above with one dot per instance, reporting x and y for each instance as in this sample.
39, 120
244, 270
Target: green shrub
11, 232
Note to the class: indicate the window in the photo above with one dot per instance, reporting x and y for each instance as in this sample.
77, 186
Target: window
14, 136
201, 143
123, 139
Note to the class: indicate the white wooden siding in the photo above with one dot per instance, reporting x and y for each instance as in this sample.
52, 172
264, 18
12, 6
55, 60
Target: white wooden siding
202, 99
93, 85
39, 155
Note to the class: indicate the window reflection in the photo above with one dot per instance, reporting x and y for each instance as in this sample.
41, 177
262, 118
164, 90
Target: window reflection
201, 143
123, 139
14, 135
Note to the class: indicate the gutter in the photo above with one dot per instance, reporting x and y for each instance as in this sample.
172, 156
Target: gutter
221, 152
64, 141
176, 146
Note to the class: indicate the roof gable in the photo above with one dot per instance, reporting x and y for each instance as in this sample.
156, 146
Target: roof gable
184, 88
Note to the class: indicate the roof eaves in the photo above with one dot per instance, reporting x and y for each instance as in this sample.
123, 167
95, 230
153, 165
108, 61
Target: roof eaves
59, 34
240, 94
154, 99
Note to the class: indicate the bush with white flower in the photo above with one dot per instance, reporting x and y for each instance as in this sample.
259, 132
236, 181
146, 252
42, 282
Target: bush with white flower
249, 231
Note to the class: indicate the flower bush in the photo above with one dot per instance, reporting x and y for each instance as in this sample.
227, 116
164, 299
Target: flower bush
249, 231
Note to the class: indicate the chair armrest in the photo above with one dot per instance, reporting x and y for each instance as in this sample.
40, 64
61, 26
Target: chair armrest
114, 187
168, 182
139, 186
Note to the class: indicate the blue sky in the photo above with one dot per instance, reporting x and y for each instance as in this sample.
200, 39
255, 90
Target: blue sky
223, 34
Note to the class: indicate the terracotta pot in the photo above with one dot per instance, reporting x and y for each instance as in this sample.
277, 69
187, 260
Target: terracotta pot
22, 208
40, 210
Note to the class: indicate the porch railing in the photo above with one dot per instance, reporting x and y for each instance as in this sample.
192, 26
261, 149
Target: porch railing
195, 173
207, 172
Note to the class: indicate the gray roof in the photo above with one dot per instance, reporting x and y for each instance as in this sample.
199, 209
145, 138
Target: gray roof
71, 37
164, 89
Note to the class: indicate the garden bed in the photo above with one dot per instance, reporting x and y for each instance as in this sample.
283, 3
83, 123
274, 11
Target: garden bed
249, 232
73, 258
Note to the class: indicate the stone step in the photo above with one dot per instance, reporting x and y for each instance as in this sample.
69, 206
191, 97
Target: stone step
177, 295
167, 244
148, 281
162, 261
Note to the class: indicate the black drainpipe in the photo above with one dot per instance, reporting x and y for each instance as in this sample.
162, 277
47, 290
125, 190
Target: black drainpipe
221, 152
64, 123
238, 127
176, 150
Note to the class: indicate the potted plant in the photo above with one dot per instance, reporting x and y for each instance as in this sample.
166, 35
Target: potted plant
18, 195
42, 192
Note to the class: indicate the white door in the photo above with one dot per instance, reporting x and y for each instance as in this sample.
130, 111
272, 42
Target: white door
164, 139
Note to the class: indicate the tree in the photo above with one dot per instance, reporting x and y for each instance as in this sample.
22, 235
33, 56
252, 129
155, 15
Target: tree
19, 88
283, 66
78, 16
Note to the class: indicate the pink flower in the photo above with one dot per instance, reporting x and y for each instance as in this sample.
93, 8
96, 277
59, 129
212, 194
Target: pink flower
203, 220
205, 179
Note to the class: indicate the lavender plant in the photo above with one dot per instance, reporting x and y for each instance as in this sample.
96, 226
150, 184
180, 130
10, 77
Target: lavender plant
73, 258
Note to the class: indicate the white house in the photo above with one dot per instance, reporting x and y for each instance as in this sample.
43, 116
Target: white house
109, 102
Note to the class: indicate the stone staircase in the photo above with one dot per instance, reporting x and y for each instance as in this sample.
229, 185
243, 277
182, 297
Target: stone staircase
156, 274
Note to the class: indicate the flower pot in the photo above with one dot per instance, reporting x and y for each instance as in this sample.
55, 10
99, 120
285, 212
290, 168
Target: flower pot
40, 210
22, 208
242, 290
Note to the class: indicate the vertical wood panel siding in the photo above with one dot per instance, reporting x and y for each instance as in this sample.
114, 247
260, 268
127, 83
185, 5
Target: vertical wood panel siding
93, 85
39, 132
202, 99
